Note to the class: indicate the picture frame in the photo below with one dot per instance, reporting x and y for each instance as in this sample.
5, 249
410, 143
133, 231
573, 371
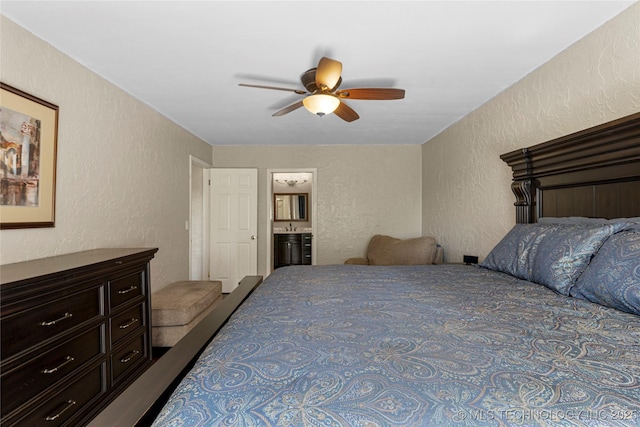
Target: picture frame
28, 150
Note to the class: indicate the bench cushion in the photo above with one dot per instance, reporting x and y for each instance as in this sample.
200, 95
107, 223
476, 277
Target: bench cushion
180, 302
168, 336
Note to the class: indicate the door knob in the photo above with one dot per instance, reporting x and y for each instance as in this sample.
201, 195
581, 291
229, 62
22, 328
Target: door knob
253, 237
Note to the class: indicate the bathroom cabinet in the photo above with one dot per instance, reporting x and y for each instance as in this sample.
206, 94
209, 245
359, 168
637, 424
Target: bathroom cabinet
291, 249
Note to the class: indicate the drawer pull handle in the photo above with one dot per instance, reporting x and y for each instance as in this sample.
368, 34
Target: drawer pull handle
126, 291
67, 360
67, 315
68, 404
131, 322
129, 356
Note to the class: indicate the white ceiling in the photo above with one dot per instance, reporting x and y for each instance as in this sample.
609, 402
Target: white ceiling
186, 58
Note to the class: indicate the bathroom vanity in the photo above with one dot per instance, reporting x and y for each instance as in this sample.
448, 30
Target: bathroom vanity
292, 248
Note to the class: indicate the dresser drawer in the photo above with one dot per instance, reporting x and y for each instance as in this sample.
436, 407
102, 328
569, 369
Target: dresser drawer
125, 288
127, 322
128, 357
26, 381
65, 404
27, 328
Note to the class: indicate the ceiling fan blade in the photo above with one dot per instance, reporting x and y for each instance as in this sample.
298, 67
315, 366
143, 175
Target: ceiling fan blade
287, 110
371, 93
298, 91
346, 113
328, 73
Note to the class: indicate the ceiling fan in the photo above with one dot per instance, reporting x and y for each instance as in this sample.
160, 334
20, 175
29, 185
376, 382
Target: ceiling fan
322, 94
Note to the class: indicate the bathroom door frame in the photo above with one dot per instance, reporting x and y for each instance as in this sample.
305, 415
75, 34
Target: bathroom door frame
269, 216
198, 223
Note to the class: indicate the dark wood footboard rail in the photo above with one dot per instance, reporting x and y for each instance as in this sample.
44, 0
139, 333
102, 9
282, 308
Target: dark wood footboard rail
593, 173
139, 404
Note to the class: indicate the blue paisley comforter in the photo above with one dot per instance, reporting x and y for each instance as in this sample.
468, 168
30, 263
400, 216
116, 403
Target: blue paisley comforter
413, 346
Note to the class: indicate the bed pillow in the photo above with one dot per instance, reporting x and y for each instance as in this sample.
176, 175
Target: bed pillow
553, 255
584, 220
612, 279
512, 255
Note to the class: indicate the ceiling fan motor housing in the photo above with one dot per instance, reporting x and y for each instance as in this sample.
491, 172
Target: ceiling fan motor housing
308, 79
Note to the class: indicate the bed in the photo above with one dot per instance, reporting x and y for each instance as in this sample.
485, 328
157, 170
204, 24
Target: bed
546, 331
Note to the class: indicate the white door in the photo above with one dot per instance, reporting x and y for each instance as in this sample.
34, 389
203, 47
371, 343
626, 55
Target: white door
234, 226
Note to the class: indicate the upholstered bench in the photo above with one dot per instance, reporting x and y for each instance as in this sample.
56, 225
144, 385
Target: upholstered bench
177, 308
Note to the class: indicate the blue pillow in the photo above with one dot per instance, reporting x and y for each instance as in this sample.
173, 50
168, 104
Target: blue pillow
553, 255
612, 279
514, 254
584, 220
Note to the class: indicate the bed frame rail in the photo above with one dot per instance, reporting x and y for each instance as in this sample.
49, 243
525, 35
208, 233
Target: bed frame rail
139, 404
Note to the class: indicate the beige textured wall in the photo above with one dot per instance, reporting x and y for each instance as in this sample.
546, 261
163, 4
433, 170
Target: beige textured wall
467, 200
361, 191
123, 169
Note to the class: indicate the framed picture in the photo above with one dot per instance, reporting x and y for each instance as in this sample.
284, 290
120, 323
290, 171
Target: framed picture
28, 145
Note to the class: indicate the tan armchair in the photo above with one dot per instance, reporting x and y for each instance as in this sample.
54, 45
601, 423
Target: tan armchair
387, 250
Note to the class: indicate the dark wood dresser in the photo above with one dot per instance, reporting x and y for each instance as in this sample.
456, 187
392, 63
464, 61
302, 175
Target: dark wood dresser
75, 332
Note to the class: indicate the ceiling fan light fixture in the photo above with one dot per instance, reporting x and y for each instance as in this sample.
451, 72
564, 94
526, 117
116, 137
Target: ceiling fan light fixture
321, 104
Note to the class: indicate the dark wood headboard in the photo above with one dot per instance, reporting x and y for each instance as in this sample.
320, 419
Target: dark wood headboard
591, 173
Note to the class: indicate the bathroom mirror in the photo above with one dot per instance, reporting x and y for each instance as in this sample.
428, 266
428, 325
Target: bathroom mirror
290, 207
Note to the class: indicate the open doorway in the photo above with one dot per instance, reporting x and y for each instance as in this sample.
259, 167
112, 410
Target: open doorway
198, 219
292, 182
